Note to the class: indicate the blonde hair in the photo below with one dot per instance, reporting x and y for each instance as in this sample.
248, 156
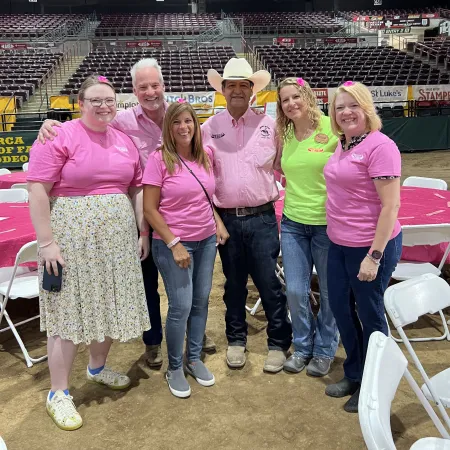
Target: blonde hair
93, 80
364, 99
285, 126
168, 147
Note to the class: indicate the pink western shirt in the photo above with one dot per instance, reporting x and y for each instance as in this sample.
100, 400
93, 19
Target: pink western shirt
145, 134
244, 156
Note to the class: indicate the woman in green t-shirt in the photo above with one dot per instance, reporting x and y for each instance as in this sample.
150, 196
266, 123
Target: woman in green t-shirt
308, 142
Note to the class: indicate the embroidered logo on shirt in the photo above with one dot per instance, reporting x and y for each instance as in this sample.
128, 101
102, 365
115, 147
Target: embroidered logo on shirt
265, 131
357, 156
315, 150
217, 136
121, 149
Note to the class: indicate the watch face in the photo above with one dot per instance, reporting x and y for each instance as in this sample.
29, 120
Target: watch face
376, 254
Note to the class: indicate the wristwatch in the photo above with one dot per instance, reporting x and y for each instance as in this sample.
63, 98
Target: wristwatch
376, 255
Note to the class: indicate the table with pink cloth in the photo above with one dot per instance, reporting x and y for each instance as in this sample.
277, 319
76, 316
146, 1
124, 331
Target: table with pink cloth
16, 230
6, 181
419, 206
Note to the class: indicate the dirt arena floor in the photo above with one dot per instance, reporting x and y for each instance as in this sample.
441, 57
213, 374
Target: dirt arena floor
246, 409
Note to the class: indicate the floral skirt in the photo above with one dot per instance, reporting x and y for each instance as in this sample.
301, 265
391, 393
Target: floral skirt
102, 292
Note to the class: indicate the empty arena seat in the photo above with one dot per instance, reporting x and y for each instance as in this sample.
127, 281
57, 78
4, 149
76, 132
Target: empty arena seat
183, 70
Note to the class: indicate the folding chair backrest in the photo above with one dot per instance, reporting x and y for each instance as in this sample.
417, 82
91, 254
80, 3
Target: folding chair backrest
27, 253
432, 183
405, 302
425, 234
25, 167
19, 186
13, 195
4, 171
384, 367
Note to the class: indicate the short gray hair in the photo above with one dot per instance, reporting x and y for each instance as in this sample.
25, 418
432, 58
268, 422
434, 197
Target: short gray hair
142, 64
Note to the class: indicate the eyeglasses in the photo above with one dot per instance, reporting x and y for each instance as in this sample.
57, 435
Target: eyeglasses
97, 102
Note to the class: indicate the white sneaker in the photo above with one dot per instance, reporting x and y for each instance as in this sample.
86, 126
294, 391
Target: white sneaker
63, 412
108, 377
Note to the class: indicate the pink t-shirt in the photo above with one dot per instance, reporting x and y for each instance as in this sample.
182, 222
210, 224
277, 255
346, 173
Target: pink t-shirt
183, 203
82, 162
353, 206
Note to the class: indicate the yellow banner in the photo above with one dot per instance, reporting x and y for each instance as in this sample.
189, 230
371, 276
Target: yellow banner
7, 120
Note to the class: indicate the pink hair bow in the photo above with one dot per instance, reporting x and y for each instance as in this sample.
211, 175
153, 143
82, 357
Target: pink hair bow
103, 79
181, 100
348, 83
301, 81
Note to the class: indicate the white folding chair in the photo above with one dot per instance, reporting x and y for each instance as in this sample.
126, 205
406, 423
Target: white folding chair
405, 302
2, 444
26, 286
13, 195
423, 182
25, 167
4, 171
384, 367
20, 186
405, 270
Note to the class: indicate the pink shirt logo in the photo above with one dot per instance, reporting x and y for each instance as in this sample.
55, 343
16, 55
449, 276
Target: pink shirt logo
357, 156
121, 149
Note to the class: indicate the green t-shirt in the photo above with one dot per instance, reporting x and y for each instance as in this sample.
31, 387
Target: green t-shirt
302, 164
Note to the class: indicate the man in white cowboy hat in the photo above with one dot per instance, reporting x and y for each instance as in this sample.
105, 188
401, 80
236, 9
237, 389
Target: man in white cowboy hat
245, 149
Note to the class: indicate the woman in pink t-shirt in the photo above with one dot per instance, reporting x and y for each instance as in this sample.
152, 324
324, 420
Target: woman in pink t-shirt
83, 186
179, 185
363, 187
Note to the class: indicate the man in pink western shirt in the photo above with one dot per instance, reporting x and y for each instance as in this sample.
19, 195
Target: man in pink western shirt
245, 149
143, 124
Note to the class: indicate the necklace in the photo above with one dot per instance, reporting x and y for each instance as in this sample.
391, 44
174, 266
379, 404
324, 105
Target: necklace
305, 135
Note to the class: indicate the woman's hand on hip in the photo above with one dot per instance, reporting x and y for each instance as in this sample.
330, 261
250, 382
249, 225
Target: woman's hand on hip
181, 256
51, 255
144, 247
368, 270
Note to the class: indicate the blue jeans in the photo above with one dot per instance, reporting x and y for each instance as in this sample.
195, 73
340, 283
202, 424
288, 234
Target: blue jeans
253, 249
358, 306
188, 294
150, 274
302, 247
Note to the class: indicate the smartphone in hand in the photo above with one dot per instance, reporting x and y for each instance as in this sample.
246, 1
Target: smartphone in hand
50, 281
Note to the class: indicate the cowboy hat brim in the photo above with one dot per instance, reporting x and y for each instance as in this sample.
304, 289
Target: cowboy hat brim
260, 80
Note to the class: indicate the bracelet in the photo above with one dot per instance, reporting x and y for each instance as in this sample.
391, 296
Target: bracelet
144, 233
174, 242
46, 245
373, 259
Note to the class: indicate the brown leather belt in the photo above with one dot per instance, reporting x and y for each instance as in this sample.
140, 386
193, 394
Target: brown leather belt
247, 211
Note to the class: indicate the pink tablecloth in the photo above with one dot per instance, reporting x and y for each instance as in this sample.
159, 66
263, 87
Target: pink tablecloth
419, 206
16, 230
6, 181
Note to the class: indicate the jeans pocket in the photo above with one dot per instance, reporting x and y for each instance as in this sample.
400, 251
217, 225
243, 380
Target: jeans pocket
268, 219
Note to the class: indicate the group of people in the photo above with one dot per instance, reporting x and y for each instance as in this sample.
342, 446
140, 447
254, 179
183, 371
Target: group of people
116, 197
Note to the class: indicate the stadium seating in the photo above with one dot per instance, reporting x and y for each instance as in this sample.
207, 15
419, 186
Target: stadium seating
394, 12
308, 22
183, 70
437, 50
154, 24
16, 26
329, 67
23, 73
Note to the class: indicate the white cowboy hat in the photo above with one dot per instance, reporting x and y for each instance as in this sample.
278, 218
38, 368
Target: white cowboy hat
239, 69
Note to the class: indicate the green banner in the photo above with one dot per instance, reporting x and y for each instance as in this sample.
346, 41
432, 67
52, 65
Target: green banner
419, 133
15, 147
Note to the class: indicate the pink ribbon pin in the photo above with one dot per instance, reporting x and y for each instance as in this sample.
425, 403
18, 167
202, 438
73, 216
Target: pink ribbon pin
349, 83
103, 79
301, 81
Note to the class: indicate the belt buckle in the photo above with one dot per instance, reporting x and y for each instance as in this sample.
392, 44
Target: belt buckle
237, 212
